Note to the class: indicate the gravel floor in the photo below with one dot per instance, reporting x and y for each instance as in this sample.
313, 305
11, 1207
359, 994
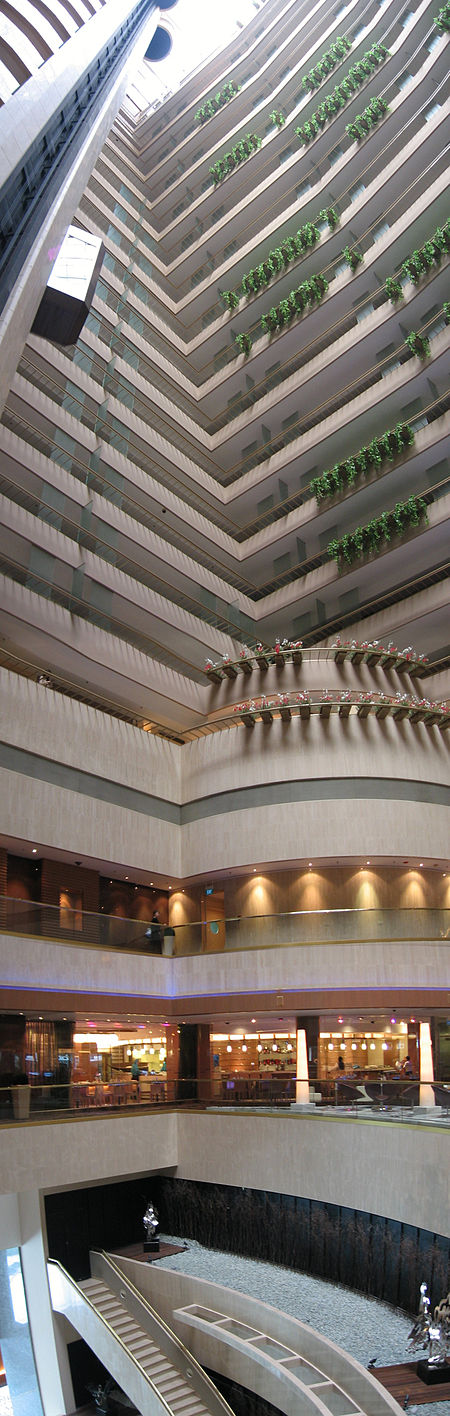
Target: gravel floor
362, 1326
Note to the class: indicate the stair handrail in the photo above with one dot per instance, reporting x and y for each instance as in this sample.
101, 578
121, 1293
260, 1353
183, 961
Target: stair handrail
55, 1263
219, 1406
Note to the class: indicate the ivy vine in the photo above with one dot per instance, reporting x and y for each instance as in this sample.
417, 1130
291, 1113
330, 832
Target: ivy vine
344, 474
353, 257
361, 126
442, 20
366, 540
418, 344
244, 343
219, 100
291, 249
227, 164
342, 93
309, 293
327, 63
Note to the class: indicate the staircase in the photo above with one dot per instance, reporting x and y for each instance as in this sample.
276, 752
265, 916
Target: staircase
175, 1390
135, 1345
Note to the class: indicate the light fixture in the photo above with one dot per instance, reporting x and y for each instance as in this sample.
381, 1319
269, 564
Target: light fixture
364, 1046
354, 1046
340, 1020
274, 1047
259, 1047
384, 1046
372, 1047
244, 1046
229, 1047
393, 1020
289, 1047
331, 1046
34, 850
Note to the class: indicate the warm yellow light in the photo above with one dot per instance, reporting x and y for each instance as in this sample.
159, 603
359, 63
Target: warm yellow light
302, 1083
103, 1041
426, 1096
229, 1048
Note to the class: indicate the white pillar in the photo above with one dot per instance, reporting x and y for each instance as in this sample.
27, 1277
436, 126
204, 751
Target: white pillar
302, 1082
427, 1097
50, 1352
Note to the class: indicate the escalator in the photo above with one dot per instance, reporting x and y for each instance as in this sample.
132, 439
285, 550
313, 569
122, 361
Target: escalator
140, 1351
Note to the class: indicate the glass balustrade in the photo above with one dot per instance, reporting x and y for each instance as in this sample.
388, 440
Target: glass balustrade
368, 1091
52, 922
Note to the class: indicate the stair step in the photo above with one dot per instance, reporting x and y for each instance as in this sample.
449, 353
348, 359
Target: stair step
171, 1385
192, 1407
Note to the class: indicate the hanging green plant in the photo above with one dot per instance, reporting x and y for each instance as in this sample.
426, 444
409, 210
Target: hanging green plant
421, 261
310, 292
442, 20
231, 300
418, 344
353, 257
344, 474
446, 309
393, 289
330, 215
243, 149
212, 105
366, 540
327, 63
244, 342
361, 126
341, 94
278, 118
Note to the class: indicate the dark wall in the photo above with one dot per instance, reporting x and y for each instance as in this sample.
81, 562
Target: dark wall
242, 1401
368, 1253
98, 1217
372, 1255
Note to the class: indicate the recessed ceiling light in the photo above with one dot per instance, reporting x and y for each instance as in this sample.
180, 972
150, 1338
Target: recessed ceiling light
34, 850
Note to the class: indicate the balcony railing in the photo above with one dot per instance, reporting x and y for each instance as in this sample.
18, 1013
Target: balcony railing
237, 932
362, 1092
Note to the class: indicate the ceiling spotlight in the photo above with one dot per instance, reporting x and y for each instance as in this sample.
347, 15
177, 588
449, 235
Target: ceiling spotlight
34, 850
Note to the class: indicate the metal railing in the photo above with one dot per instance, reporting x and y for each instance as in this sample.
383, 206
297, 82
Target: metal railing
253, 931
359, 1091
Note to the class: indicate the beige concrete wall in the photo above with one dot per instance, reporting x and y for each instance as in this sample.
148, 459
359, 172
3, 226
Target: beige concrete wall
396, 1170
42, 964
324, 829
59, 728
67, 732
320, 748
58, 1155
399, 1171
39, 964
